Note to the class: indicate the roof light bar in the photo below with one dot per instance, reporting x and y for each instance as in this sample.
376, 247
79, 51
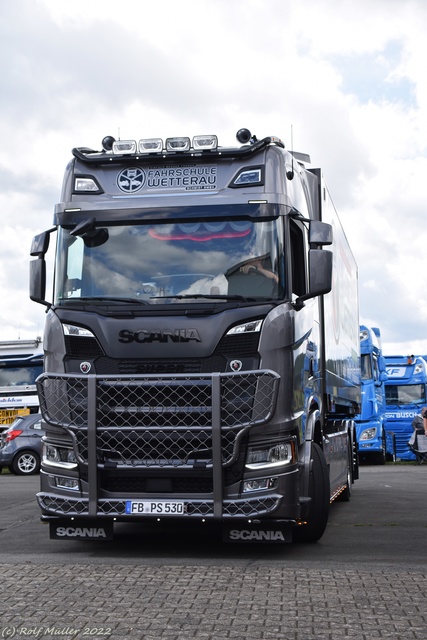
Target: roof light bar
150, 145
124, 147
201, 143
178, 144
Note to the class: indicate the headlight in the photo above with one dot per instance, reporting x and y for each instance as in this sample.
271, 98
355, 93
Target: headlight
55, 456
81, 332
266, 457
368, 434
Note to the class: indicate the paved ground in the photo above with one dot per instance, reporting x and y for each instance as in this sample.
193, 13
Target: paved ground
366, 578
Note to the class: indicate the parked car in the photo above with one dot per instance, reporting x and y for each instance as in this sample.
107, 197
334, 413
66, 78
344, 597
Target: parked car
21, 445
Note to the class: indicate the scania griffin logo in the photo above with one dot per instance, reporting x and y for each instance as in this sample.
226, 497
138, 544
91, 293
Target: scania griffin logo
159, 335
131, 180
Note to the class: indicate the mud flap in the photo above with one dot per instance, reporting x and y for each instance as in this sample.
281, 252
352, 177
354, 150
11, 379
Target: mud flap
80, 530
264, 532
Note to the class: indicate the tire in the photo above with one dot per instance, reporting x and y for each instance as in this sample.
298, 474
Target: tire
26, 463
391, 457
381, 457
319, 492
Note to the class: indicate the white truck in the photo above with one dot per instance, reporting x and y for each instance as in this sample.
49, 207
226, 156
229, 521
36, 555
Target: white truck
21, 362
202, 354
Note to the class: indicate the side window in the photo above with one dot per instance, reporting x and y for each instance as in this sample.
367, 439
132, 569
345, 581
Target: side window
376, 369
298, 258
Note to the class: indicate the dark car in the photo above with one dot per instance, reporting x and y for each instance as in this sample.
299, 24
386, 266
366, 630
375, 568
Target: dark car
21, 445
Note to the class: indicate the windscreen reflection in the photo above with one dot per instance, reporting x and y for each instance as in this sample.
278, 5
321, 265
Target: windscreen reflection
156, 263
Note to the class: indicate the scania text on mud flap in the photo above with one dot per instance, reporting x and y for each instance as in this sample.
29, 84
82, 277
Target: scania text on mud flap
202, 356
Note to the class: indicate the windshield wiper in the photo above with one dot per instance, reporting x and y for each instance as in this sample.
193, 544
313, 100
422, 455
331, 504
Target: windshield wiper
105, 299
210, 296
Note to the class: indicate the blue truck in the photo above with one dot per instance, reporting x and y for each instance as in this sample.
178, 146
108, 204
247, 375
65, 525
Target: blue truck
405, 397
375, 443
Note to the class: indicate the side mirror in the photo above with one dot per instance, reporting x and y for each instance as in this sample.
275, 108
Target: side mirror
320, 273
38, 281
320, 233
40, 244
39, 248
320, 269
383, 376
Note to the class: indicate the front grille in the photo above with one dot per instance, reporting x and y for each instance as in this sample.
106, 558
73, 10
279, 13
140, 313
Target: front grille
163, 421
234, 346
128, 485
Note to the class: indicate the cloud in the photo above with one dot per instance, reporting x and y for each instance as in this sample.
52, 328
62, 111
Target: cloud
347, 77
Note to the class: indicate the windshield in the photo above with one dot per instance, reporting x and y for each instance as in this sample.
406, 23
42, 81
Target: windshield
168, 262
405, 394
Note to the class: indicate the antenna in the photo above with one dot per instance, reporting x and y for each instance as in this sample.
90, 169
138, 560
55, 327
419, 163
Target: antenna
290, 174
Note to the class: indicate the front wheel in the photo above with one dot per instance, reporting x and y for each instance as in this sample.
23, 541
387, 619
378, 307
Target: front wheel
26, 463
319, 493
381, 456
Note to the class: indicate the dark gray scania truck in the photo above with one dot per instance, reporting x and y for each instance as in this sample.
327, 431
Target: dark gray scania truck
202, 345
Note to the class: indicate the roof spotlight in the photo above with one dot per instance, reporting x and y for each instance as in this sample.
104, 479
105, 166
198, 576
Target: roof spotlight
243, 136
107, 143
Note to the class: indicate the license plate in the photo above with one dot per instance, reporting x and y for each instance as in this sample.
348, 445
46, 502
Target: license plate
155, 507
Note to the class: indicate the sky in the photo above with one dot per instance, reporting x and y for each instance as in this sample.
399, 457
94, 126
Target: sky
346, 77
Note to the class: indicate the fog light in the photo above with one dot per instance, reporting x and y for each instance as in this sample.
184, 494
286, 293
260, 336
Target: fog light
260, 484
68, 483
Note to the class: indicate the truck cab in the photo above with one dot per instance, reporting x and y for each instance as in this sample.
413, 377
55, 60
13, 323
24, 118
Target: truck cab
201, 343
405, 391
375, 444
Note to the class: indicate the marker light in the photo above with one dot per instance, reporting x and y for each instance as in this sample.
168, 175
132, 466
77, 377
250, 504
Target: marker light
124, 147
201, 143
249, 176
178, 144
85, 184
150, 145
